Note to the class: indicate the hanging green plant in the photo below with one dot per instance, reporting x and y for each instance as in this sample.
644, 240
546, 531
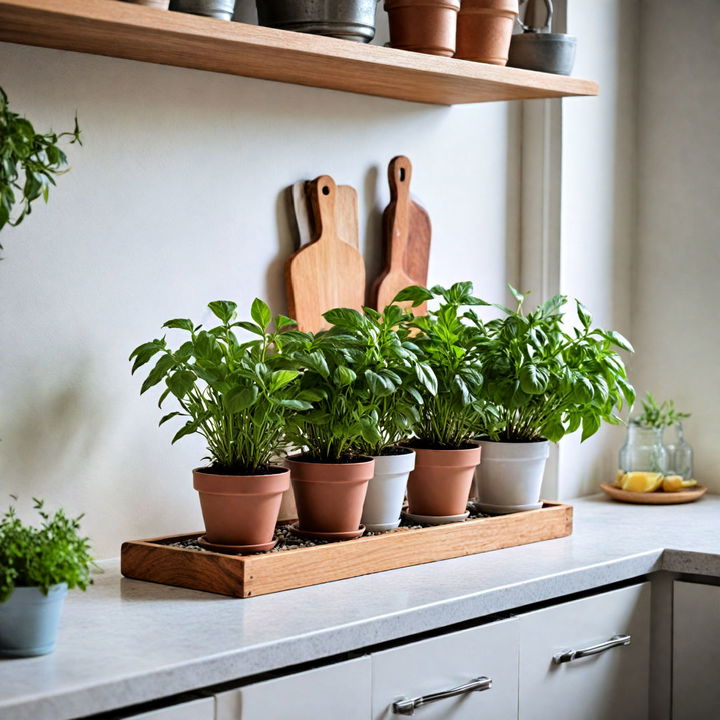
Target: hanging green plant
29, 163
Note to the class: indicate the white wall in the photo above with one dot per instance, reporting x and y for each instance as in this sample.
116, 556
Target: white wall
675, 288
178, 197
578, 204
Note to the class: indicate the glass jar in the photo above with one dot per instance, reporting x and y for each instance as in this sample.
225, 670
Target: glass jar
680, 454
643, 450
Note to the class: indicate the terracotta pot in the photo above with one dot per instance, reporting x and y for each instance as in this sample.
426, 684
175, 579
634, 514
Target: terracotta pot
330, 496
484, 30
240, 509
441, 481
426, 26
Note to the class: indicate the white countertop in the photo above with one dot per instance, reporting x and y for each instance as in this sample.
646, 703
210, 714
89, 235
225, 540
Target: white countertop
126, 641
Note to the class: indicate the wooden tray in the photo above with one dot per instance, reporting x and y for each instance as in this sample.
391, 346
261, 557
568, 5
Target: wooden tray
654, 498
245, 576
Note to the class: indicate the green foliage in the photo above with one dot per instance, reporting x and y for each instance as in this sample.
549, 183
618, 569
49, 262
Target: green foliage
29, 162
545, 383
385, 372
658, 416
452, 405
238, 396
41, 557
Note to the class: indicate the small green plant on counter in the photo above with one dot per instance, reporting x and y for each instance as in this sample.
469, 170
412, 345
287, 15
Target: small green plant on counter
452, 407
237, 395
54, 553
390, 372
543, 382
658, 416
29, 163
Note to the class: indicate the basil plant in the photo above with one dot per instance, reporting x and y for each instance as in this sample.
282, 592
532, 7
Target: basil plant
452, 411
543, 381
237, 395
392, 378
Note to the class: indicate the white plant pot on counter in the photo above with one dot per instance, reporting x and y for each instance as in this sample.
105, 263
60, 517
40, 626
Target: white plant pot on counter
510, 475
386, 491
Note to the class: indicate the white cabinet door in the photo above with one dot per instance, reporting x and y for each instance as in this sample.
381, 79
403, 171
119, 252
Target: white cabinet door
613, 683
201, 709
334, 692
696, 651
427, 667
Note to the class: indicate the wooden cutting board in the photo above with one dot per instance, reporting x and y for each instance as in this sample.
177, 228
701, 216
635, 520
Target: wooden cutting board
327, 273
346, 214
406, 236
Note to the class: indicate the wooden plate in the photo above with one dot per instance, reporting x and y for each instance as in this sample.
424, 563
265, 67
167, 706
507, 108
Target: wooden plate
654, 498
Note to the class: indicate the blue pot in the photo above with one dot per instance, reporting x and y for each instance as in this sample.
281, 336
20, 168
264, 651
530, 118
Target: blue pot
29, 621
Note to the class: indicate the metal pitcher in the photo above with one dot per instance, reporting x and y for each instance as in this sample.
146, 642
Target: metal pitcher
347, 19
537, 48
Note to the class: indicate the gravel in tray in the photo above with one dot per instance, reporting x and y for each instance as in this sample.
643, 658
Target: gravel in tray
288, 541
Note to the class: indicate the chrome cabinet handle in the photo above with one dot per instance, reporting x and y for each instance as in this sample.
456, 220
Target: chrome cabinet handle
570, 655
408, 707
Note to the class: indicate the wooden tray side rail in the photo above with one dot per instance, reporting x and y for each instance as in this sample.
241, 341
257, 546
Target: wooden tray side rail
134, 32
251, 575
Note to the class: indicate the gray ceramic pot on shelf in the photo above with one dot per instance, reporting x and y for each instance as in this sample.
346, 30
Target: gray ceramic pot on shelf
536, 48
220, 9
346, 19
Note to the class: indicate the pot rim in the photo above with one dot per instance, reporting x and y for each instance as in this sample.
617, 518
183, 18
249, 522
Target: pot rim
453, 5
474, 445
362, 460
513, 443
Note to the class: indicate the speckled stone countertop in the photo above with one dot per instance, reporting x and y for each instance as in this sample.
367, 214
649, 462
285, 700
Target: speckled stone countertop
126, 641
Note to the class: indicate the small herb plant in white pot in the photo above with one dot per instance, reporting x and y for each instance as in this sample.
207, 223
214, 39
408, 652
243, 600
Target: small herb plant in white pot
238, 396
394, 376
542, 383
37, 568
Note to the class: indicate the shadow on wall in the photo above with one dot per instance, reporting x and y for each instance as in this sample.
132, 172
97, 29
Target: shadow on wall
54, 429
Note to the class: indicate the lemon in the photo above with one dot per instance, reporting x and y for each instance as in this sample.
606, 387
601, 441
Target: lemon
619, 475
673, 483
637, 481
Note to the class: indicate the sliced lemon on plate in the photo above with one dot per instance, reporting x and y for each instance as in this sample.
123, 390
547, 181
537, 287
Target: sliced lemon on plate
673, 483
644, 482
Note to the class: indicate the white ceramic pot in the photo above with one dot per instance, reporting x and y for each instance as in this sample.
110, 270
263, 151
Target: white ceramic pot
510, 475
386, 491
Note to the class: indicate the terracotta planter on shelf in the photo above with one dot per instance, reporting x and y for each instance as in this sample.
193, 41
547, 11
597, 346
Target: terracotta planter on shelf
425, 26
441, 481
484, 30
240, 510
330, 496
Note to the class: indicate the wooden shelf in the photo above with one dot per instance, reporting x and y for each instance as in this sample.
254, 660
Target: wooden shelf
134, 32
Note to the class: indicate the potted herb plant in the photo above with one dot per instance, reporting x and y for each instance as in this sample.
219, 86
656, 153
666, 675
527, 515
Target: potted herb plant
447, 454
238, 396
395, 376
329, 476
541, 383
29, 163
37, 568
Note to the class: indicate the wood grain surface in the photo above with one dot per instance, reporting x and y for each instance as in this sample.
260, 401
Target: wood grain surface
247, 576
346, 214
125, 30
329, 272
406, 238
654, 498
